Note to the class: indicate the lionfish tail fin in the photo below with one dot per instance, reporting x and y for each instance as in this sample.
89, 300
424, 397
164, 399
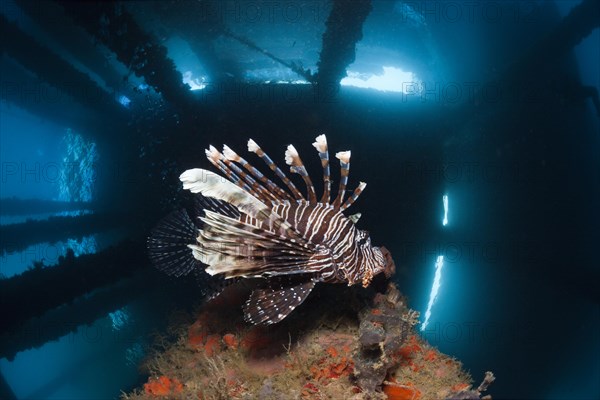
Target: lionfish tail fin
253, 147
344, 157
321, 145
292, 158
168, 244
272, 304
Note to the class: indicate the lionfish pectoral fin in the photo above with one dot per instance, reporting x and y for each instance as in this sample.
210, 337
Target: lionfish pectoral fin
238, 249
272, 304
168, 244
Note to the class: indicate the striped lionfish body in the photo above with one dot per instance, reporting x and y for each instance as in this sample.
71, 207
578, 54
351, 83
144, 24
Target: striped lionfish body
250, 227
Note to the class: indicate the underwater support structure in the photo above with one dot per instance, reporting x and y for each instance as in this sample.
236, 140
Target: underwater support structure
199, 23
306, 74
41, 289
116, 28
73, 318
343, 31
51, 18
577, 25
16, 206
55, 70
17, 237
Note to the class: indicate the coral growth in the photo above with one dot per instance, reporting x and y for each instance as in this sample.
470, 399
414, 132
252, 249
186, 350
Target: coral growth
382, 331
163, 386
464, 392
364, 348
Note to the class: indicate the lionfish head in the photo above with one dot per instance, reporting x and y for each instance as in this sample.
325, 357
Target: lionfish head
374, 260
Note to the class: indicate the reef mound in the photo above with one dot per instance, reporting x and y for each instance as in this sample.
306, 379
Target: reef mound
343, 343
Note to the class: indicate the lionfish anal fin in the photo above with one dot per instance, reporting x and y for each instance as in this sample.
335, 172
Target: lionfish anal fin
272, 304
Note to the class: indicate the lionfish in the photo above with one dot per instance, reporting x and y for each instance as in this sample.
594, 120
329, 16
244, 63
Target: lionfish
246, 226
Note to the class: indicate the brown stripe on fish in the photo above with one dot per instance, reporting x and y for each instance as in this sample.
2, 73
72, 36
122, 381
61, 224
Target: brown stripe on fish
321, 145
255, 148
215, 157
292, 158
355, 194
344, 157
258, 190
233, 156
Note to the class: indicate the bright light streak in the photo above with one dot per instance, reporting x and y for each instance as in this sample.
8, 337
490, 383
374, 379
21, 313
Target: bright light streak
434, 290
293, 82
445, 221
392, 80
194, 83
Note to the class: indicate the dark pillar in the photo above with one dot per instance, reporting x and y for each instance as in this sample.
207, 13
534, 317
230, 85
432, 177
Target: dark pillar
580, 22
343, 31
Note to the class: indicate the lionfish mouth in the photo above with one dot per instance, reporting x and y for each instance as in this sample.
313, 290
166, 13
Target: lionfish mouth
247, 226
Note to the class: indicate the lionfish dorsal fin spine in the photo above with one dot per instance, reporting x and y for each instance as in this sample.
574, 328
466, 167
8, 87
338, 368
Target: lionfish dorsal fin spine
344, 157
255, 188
321, 145
216, 158
355, 194
271, 186
209, 184
292, 158
255, 148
